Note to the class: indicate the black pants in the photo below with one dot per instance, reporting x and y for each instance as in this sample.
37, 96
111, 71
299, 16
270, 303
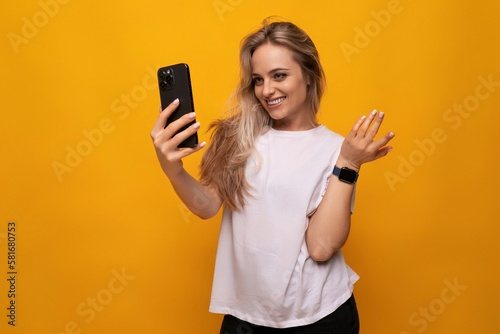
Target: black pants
344, 320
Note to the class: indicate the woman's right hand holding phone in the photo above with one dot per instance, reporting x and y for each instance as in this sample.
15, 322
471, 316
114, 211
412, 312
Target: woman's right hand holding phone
167, 139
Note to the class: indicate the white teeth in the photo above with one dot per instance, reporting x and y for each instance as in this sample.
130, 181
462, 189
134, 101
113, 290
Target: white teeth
276, 101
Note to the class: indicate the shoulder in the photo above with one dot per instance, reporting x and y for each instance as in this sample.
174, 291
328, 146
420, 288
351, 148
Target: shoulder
328, 134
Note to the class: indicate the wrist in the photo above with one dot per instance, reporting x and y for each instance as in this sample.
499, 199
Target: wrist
342, 162
173, 169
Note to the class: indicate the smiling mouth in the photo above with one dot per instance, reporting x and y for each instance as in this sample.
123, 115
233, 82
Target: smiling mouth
275, 102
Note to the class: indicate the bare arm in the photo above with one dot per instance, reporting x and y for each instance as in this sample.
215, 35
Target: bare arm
200, 199
329, 226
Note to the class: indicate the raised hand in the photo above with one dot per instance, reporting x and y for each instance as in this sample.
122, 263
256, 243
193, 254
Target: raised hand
359, 145
166, 140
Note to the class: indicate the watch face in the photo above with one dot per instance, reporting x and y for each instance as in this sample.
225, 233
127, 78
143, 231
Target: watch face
348, 175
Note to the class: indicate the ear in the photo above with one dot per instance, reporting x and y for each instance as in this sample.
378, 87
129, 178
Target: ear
308, 77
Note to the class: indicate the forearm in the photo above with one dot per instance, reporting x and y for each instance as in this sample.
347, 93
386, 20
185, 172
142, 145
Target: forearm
199, 199
330, 225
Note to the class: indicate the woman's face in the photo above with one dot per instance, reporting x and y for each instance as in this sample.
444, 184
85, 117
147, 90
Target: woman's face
281, 87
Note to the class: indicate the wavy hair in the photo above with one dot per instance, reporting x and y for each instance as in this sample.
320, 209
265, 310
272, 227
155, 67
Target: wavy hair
233, 137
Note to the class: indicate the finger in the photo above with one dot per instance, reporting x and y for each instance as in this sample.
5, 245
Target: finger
181, 154
382, 142
366, 123
198, 147
356, 126
180, 124
183, 135
162, 118
375, 126
383, 152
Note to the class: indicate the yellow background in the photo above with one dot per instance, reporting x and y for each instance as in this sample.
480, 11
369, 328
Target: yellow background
426, 216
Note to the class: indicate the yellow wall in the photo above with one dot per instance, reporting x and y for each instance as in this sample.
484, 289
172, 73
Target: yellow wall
104, 246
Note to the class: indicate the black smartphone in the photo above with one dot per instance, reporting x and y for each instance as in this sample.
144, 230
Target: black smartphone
175, 83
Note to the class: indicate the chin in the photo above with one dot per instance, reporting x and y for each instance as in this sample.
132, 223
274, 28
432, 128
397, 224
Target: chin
275, 117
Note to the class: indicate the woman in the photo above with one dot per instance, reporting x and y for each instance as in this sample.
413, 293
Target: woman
279, 265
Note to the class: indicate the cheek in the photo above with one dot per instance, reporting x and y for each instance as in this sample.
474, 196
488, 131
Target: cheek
303, 91
298, 91
257, 91
296, 87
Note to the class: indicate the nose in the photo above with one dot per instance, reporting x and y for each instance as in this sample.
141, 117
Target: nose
268, 88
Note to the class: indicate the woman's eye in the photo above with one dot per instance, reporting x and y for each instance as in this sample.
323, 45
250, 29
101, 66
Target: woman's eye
280, 76
258, 81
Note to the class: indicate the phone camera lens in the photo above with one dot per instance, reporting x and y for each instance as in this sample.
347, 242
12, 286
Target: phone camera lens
166, 77
165, 73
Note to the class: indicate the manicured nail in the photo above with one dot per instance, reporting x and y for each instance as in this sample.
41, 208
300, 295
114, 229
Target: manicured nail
192, 115
391, 134
374, 112
196, 125
381, 114
202, 144
176, 101
363, 117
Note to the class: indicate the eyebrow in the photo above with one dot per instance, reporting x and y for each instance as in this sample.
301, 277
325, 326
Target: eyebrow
274, 70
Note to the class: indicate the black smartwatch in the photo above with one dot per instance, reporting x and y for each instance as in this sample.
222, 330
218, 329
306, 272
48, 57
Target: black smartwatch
345, 174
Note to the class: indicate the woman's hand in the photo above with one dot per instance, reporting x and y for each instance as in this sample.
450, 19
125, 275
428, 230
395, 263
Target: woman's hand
166, 140
359, 145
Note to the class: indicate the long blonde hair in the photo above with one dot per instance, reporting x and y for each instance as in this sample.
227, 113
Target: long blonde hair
233, 137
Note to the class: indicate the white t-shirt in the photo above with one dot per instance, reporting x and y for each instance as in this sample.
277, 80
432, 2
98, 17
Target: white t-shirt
263, 272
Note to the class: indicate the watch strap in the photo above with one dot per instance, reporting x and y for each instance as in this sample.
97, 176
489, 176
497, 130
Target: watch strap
338, 173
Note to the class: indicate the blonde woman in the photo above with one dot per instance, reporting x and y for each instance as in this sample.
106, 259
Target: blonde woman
286, 184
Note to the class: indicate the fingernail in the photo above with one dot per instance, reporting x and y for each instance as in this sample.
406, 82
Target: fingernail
363, 117
176, 101
374, 112
192, 115
391, 134
381, 114
202, 144
196, 125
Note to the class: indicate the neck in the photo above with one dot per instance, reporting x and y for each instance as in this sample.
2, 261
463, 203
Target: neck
289, 126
